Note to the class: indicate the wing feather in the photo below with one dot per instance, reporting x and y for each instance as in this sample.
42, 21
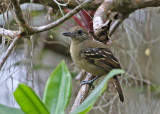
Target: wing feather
101, 57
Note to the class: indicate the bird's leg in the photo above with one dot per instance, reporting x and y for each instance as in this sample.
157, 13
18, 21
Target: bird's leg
90, 83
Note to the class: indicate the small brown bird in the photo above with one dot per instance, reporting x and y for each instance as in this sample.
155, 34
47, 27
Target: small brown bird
92, 56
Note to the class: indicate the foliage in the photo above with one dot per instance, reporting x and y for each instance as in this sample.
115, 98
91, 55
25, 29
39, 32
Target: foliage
85, 107
29, 102
9, 110
56, 95
58, 90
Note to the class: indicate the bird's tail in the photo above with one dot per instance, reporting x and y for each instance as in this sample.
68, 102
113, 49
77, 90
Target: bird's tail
118, 88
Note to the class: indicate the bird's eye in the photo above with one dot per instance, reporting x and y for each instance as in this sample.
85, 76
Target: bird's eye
79, 31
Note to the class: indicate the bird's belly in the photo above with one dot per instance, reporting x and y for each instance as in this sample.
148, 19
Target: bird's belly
93, 69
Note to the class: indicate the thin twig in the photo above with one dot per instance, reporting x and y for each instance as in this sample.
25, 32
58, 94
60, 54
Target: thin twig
8, 52
64, 18
116, 24
19, 16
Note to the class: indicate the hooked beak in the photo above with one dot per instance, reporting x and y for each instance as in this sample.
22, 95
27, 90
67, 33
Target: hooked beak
68, 34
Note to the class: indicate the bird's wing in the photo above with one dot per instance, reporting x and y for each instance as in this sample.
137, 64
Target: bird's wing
101, 57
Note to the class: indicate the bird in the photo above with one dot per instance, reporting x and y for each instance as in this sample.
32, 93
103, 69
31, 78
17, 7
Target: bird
92, 56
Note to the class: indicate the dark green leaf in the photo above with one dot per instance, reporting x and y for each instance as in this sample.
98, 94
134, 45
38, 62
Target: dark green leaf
58, 89
85, 107
29, 101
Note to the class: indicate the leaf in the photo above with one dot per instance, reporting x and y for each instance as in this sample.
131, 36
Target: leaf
9, 110
29, 101
58, 89
86, 106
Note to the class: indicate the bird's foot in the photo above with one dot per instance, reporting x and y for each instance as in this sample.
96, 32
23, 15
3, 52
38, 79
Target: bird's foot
90, 83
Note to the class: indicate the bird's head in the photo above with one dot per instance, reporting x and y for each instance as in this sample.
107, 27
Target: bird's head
77, 34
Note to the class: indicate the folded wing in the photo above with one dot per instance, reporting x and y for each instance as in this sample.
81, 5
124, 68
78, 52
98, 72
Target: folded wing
101, 57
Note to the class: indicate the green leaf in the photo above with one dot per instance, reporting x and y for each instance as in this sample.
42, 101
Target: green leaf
58, 89
86, 106
29, 101
9, 110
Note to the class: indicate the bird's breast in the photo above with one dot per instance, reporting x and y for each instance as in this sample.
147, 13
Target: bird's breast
84, 64
75, 51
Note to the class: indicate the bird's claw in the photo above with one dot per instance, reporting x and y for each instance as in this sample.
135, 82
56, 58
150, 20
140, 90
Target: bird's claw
90, 83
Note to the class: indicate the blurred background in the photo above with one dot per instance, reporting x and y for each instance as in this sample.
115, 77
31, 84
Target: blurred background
135, 44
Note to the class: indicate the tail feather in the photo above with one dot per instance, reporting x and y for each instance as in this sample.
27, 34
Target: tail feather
118, 88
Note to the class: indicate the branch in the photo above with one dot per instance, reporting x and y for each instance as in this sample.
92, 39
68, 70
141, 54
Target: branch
123, 7
115, 25
101, 28
33, 30
29, 31
8, 52
10, 33
129, 6
82, 94
72, 4
64, 18
20, 18
99, 17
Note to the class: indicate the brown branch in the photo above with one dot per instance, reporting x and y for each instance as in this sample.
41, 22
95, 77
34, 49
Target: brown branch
117, 6
82, 94
129, 6
123, 7
19, 17
111, 6
34, 30
72, 4
8, 52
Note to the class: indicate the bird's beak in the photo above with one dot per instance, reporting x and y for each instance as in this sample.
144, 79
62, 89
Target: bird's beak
68, 34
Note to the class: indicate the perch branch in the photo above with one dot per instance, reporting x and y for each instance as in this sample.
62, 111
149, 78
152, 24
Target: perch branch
82, 94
